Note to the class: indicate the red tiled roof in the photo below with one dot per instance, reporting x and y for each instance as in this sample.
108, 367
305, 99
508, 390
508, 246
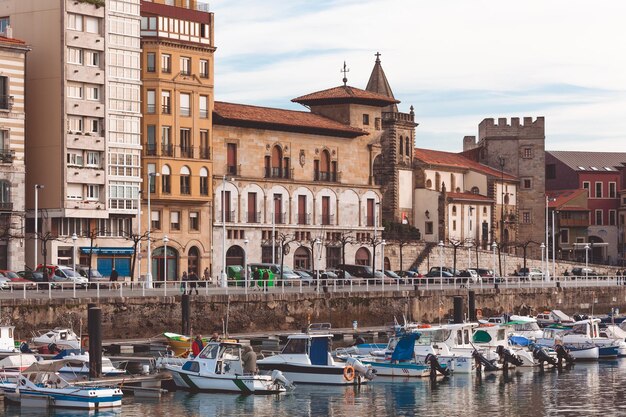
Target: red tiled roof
469, 196
560, 197
4, 39
280, 119
455, 160
345, 94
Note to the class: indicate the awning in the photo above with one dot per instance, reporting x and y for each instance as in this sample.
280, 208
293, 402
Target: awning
107, 251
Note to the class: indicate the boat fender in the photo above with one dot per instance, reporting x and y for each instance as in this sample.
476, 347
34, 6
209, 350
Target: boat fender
424, 326
348, 373
479, 312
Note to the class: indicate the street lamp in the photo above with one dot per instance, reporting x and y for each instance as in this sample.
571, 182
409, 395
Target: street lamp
37, 188
138, 248
245, 262
587, 261
382, 261
151, 175
543, 247
165, 241
494, 245
74, 239
377, 204
224, 282
317, 243
440, 244
553, 247
274, 228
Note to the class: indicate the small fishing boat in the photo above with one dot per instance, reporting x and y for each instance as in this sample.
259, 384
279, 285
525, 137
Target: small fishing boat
180, 343
41, 385
581, 351
307, 359
616, 333
218, 368
63, 338
78, 363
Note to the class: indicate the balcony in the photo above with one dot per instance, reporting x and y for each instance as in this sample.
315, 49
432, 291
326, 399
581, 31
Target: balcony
186, 152
150, 149
151, 108
185, 111
228, 216
574, 222
280, 218
167, 150
204, 114
205, 152
233, 170
304, 218
325, 176
327, 219
6, 103
7, 156
277, 172
6, 206
185, 189
166, 109
253, 217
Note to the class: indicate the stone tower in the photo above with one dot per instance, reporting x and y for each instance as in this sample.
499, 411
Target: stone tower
392, 169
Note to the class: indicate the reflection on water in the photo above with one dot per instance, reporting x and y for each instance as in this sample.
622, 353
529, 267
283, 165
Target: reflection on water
586, 389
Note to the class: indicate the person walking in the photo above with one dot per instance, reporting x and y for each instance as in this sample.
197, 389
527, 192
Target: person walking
266, 279
207, 275
113, 278
183, 282
193, 282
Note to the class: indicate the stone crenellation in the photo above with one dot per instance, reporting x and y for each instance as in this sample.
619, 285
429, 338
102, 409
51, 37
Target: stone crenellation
529, 128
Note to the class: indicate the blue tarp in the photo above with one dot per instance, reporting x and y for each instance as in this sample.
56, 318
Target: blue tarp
319, 351
519, 340
404, 348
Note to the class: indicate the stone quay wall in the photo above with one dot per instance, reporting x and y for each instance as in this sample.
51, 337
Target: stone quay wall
132, 318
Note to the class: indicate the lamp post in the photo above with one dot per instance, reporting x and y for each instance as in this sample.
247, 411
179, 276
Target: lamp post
553, 247
494, 245
151, 175
37, 188
376, 205
547, 244
275, 199
316, 242
74, 239
165, 241
543, 247
587, 261
138, 248
245, 262
224, 283
440, 244
382, 261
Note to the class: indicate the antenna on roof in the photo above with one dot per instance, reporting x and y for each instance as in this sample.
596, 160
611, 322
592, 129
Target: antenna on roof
345, 70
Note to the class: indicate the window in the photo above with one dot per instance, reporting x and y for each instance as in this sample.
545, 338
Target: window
166, 63
155, 218
185, 100
527, 152
475, 190
166, 102
366, 119
370, 215
407, 148
612, 217
75, 124
527, 183
93, 159
93, 58
186, 151
454, 210
401, 151
151, 101
204, 144
185, 180
74, 90
326, 216
174, 220
454, 225
75, 159
151, 64
204, 181
231, 158
151, 178
204, 68
598, 190
75, 22
587, 186
526, 217
599, 218
92, 24
151, 145
4, 22
194, 223
564, 236
93, 192
550, 171
166, 141
204, 107
185, 65
166, 180
93, 93
75, 56
612, 190
428, 228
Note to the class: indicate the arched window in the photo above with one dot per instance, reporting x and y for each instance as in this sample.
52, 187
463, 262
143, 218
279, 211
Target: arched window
362, 256
475, 190
452, 182
166, 183
234, 256
401, 152
277, 159
485, 211
192, 260
438, 182
204, 181
5, 191
454, 210
407, 146
185, 180
302, 258
429, 184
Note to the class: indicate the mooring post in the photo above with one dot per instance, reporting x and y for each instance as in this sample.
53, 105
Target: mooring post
471, 300
186, 307
94, 325
458, 309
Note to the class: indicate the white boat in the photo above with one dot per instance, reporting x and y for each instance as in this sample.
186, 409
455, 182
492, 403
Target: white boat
578, 350
7, 339
41, 385
78, 363
491, 337
306, 359
450, 343
616, 333
218, 368
63, 338
526, 326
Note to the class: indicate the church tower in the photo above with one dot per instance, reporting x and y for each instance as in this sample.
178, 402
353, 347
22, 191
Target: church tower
393, 167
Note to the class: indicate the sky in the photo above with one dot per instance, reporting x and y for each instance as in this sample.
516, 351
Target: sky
456, 61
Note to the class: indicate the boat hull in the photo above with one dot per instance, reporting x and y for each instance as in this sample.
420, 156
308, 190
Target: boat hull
410, 370
91, 398
240, 384
311, 374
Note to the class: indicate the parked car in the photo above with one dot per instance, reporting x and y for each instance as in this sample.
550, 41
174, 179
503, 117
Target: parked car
433, 276
17, 280
409, 274
4, 283
530, 273
31, 275
65, 274
361, 271
395, 278
305, 276
471, 275
454, 272
95, 278
581, 272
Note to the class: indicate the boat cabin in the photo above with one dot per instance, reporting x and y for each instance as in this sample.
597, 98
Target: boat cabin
7, 340
217, 358
316, 347
452, 335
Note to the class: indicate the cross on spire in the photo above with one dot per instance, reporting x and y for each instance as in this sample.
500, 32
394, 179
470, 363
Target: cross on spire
345, 70
377, 56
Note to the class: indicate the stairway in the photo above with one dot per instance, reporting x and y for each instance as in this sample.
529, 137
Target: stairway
428, 247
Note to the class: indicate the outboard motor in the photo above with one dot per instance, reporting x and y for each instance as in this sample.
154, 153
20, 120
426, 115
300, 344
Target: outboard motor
562, 353
481, 362
542, 356
365, 371
279, 378
435, 366
508, 357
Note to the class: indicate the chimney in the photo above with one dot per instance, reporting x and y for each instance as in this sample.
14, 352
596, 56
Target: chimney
8, 32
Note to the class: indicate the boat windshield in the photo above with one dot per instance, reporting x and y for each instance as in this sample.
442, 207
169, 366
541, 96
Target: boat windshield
210, 352
433, 336
295, 346
526, 327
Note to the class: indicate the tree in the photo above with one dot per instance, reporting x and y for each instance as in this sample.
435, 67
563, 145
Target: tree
136, 239
344, 239
456, 244
284, 240
402, 235
373, 241
44, 238
524, 245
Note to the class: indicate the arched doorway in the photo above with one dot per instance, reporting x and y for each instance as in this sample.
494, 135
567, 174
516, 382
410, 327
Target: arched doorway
192, 260
362, 257
234, 256
277, 159
387, 264
302, 258
158, 263
378, 168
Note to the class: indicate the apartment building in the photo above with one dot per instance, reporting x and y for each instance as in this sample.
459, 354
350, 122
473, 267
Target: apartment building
177, 70
12, 169
83, 131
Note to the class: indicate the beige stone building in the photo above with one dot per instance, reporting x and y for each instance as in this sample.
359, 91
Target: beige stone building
83, 129
177, 55
12, 170
305, 175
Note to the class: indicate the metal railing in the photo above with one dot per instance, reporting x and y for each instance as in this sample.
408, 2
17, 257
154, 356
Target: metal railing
304, 218
253, 217
229, 216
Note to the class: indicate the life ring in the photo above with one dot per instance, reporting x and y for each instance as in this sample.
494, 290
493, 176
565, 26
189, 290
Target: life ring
424, 326
84, 342
348, 373
479, 312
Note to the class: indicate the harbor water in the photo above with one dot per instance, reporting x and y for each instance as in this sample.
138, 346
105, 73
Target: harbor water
587, 389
